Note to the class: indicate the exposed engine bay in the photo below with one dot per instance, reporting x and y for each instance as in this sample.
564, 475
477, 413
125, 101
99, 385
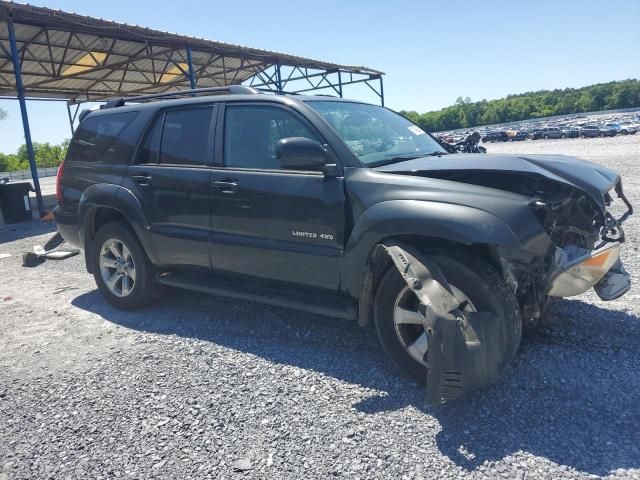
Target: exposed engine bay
585, 236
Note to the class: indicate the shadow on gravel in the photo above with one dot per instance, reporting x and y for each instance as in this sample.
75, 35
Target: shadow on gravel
17, 231
571, 397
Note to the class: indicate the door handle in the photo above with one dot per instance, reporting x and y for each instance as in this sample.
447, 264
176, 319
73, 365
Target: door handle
142, 180
226, 186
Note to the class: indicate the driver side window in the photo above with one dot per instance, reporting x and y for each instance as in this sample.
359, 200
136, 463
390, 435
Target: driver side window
251, 133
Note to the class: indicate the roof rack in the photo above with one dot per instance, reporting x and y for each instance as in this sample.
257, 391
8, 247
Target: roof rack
230, 89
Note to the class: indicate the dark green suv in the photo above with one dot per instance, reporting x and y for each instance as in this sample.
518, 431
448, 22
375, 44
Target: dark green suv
339, 208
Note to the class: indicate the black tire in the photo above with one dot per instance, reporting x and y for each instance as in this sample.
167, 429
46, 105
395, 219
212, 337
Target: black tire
478, 280
563, 136
145, 288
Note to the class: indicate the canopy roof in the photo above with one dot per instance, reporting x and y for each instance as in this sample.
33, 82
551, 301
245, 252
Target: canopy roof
80, 58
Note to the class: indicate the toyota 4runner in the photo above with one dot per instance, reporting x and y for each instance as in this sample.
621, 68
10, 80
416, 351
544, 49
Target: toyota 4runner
343, 209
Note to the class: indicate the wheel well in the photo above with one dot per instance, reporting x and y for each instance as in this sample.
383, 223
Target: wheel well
99, 217
378, 262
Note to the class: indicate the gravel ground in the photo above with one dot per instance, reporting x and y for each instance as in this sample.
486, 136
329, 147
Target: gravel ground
199, 387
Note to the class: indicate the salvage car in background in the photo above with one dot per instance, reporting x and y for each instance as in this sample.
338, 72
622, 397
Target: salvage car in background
608, 130
589, 131
628, 128
496, 136
551, 132
343, 209
569, 132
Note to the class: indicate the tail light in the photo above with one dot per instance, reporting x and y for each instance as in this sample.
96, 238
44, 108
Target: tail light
59, 195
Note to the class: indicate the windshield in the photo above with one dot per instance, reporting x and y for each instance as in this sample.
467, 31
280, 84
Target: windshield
375, 134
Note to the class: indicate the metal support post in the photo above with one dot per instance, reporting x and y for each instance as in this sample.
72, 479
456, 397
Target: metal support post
192, 72
71, 119
17, 70
278, 78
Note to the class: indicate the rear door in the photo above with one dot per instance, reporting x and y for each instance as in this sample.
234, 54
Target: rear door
271, 223
171, 178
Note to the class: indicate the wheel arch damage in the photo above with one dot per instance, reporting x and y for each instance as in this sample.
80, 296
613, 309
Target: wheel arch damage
442, 223
467, 350
379, 261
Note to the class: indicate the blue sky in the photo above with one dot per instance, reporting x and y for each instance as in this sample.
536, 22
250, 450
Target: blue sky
432, 52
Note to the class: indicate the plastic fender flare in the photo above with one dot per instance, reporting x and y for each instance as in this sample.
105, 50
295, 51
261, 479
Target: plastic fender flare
119, 199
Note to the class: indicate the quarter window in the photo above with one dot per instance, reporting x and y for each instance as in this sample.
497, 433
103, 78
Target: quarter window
252, 132
98, 138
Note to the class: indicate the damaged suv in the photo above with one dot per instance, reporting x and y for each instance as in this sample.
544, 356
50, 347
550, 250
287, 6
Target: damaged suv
343, 209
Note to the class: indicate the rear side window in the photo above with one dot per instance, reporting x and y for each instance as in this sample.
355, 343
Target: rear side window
186, 136
99, 139
179, 137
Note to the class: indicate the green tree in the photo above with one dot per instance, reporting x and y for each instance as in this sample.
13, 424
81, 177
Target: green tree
47, 155
465, 113
3, 114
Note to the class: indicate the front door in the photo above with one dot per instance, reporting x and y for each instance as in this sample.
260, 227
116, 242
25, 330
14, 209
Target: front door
172, 180
271, 223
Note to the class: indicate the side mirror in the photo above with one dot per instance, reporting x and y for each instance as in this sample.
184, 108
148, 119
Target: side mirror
300, 153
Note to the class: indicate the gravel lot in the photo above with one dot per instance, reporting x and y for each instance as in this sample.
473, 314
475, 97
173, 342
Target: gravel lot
199, 387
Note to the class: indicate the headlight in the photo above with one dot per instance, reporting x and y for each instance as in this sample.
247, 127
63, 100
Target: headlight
584, 273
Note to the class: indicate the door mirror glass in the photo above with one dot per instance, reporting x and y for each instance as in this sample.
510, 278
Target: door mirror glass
299, 153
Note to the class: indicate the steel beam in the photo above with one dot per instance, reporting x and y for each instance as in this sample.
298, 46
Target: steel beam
192, 72
17, 70
70, 118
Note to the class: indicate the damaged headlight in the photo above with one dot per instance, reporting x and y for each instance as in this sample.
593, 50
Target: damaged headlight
577, 271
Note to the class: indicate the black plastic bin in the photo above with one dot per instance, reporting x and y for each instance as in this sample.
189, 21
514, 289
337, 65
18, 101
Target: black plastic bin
14, 201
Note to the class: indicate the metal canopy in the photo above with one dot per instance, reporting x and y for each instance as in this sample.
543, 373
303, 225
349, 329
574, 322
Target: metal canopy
80, 58
54, 55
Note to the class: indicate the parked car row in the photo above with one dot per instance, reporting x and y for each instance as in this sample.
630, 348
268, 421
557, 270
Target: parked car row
564, 131
573, 126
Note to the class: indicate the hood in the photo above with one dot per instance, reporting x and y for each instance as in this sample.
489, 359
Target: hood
506, 171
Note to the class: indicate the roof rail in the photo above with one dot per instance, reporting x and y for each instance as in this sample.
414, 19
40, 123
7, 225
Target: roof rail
230, 89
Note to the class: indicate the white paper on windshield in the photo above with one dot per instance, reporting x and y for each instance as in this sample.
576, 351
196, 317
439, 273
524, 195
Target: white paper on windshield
416, 130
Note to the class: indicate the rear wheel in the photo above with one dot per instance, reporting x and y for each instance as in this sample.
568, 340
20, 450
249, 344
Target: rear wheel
122, 271
475, 283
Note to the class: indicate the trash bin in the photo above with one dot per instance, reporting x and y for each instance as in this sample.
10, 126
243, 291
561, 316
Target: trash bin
14, 202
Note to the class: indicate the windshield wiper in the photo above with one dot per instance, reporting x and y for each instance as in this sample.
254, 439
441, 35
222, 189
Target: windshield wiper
435, 154
402, 158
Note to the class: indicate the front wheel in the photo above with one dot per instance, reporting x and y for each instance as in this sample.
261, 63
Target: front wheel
475, 283
123, 273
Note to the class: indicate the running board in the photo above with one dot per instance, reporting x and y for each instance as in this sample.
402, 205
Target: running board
319, 303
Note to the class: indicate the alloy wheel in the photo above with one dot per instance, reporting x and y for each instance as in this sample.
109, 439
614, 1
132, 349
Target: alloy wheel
408, 321
117, 267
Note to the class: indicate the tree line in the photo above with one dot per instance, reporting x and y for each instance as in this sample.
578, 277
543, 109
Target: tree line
47, 155
544, 103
